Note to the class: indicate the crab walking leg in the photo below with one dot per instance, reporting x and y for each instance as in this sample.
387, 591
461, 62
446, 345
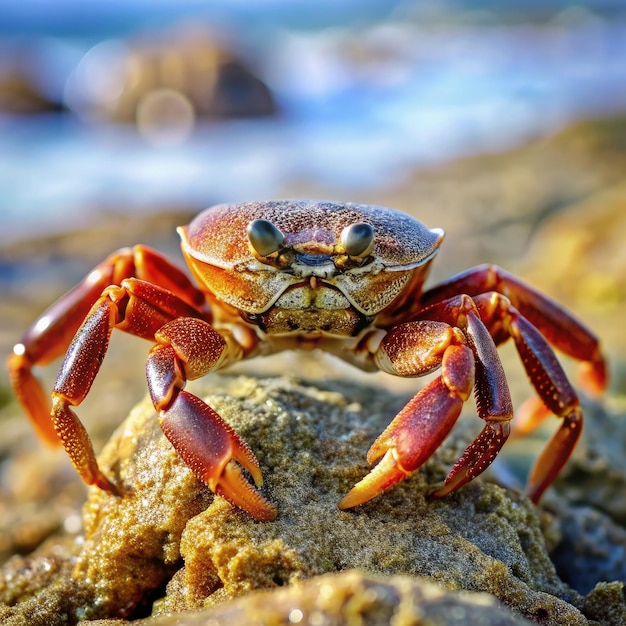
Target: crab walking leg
556, 324
50, 335
468, 359
554, 390
493, 398
188, 348
136, 307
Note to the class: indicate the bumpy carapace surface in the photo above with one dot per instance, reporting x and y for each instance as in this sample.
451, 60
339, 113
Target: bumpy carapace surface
345, 278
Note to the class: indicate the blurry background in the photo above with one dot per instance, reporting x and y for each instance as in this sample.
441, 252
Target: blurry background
502, 123
106, 107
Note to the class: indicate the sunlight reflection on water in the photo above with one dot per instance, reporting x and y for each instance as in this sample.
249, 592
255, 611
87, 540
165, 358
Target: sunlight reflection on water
359, 106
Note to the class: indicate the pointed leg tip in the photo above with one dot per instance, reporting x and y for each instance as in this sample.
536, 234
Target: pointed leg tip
442, 492
351, 499
535, 488
102, 482
594, 376
453, 482
258, 508
534, 495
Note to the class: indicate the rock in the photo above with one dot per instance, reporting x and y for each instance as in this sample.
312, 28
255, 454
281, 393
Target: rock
495, 208
354, 597
19, 95
592, 548
166, 82
606, 604
169, 546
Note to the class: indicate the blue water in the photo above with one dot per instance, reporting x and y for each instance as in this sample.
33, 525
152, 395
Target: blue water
435, 88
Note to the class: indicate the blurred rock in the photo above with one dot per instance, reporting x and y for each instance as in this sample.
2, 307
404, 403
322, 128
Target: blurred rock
169, 541
355, 597
19, 95
592, 549
584, 246
497, 207
165, 83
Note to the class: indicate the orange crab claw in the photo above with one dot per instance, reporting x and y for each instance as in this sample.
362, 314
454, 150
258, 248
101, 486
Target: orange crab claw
386, 474
238, 491
212, 449
419, 429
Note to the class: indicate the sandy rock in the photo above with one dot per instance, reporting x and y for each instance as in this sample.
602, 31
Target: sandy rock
354, 598
170, 541
606, 604
592, 548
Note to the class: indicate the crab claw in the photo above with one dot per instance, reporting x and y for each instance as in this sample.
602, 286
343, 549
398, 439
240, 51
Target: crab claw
214, 451
418, 430
386, 474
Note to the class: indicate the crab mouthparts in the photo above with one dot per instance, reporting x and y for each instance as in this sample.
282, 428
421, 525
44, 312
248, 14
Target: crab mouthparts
314, 265
313, 259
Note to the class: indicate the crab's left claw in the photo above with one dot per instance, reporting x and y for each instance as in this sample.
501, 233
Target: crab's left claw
214, 452
188, 348
419, 429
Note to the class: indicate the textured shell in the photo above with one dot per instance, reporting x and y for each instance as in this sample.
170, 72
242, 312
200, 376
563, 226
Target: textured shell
218, 235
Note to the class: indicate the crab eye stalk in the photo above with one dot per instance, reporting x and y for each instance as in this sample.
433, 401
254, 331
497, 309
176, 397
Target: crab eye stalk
264, 237
358, 239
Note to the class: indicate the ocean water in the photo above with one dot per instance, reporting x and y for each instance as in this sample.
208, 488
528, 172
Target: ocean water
367, 92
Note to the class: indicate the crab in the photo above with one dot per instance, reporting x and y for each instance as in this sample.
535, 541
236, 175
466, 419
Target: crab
342, 277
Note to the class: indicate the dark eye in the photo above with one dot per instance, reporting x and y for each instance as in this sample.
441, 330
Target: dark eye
264, 237
358, 239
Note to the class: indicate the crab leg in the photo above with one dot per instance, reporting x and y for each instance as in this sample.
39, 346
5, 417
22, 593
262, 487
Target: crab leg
555, 393
137, 307
493, 398
461, 344
418, 430
186, 349
49, 336
556, 324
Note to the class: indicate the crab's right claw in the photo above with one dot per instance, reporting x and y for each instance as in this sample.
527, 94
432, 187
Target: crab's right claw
385, 475
409, 441
214, 451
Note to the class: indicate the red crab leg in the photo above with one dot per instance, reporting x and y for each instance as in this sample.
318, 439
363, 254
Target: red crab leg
556, 324
493, 398
49, 336
186, 349
137, 307
549, 380
468, 358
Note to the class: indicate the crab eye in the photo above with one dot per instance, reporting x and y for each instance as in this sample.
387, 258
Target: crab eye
264, 237
358, 239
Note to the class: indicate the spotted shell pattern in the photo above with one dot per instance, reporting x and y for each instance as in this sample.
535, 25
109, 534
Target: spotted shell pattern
218, 251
